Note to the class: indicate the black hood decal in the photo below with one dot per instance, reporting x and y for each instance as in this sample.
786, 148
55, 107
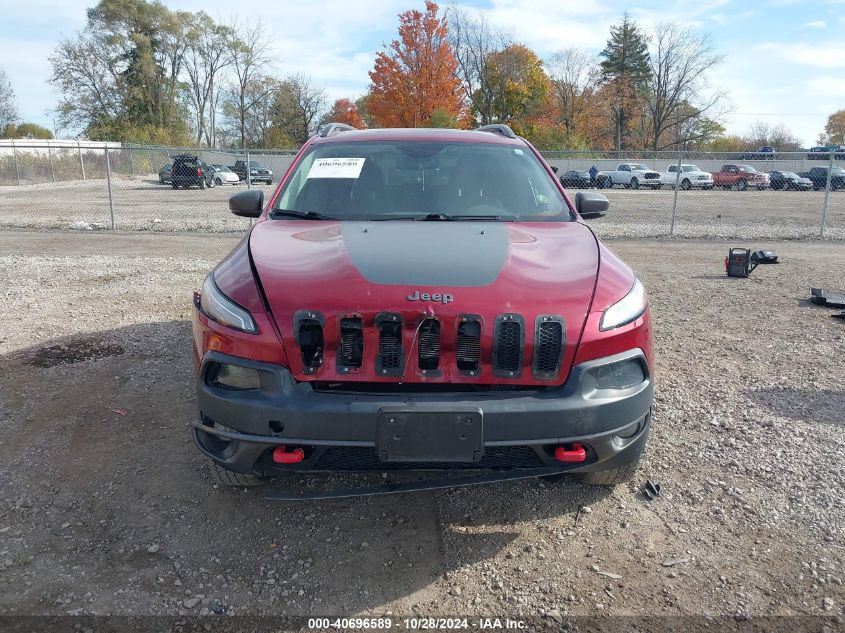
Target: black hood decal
439, 253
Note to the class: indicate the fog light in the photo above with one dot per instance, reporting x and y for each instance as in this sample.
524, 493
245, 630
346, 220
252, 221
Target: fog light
621, 375
234, 377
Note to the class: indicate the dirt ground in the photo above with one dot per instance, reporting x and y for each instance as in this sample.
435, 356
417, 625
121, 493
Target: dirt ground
142, 204
106, 507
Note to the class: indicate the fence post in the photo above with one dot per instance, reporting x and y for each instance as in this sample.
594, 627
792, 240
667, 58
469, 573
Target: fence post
131, 164
248, 179
826, 195
108, 179
81, 163
17, 171
52, 166
675, 195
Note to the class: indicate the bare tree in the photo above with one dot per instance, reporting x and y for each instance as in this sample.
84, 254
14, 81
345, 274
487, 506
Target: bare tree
8, 104
680, 61
575, 75
299, 106
207, 55
249, 49
86, 77
473, 39
778, 135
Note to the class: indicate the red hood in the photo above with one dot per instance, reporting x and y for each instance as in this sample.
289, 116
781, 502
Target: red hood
487, 269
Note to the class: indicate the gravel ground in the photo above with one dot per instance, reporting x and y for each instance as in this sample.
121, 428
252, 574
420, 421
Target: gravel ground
145, 205
107, 507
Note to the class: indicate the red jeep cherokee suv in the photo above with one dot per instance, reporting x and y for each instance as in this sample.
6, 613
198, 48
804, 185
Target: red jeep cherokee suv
421, 299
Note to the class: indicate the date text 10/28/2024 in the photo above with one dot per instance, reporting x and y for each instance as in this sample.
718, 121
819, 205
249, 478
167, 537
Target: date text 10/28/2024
416, 624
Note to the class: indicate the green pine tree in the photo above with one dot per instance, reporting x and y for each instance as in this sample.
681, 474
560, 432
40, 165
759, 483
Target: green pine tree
626, 68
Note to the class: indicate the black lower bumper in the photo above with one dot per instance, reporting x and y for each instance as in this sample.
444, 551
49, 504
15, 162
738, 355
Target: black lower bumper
340, 431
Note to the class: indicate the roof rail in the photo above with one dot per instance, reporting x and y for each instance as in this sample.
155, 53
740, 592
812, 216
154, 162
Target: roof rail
330, 129
497, 128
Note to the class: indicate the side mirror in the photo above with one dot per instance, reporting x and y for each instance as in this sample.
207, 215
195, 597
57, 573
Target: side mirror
590, 205
554, 169
247, 204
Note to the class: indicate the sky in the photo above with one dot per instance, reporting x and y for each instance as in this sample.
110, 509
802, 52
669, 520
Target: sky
784, 59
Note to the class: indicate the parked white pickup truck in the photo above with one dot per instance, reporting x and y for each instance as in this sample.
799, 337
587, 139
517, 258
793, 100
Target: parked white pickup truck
690, 176
629, 175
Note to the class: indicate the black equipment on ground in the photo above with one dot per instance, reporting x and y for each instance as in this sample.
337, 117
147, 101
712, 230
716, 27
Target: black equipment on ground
739, 262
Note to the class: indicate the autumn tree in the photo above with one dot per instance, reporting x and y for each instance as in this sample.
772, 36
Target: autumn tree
119, 78
345, 111
298, 107
415, 75
473, 40
574, 76
834, 130
625, 66
25, 130
521, 88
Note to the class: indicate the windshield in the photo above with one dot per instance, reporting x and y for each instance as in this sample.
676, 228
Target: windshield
690, 168
254, 164
638, 167
789, 174
747, 169
415, 179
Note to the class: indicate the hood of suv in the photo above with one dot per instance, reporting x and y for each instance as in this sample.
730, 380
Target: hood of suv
412, 270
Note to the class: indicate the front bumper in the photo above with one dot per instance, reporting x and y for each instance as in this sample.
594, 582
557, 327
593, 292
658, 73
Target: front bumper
338, 430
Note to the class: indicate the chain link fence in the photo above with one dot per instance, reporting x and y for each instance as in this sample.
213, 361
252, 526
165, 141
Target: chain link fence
90, 186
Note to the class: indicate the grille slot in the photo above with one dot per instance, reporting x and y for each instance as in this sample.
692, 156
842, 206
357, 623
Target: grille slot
389, 359
548, 346
429, 345
309, 337
468, 346
350, 353
508, 346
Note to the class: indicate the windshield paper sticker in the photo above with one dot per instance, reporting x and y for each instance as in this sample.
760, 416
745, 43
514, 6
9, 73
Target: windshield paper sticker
336, 168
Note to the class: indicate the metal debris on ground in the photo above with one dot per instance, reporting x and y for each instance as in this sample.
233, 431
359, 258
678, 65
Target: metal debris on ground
652, 489
827, 298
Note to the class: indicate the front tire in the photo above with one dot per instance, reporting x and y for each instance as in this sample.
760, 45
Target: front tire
202, 183
218, 181
635, 184
611, 477
742, 185
686, 185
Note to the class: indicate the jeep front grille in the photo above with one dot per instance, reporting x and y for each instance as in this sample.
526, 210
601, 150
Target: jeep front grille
463, 349
389, 360
548, 346
350, 353
507, 346
429, 345
468, 345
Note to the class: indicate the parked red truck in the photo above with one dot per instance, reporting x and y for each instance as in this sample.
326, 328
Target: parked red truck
740, 176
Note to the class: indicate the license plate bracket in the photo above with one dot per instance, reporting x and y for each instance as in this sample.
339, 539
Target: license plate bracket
425, 435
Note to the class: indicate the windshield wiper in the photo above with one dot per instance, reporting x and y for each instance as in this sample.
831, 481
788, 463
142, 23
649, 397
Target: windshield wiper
305, 215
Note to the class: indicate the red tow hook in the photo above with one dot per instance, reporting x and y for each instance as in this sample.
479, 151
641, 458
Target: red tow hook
281, 456
576, 454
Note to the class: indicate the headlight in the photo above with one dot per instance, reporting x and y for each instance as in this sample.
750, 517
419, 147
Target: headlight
252, 172
631, 306
219, 307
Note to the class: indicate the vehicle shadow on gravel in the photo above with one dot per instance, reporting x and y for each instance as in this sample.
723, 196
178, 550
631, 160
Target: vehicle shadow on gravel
106, 495
822, 406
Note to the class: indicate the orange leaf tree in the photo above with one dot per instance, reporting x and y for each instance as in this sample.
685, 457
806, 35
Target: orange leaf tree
415, 75
345, 111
